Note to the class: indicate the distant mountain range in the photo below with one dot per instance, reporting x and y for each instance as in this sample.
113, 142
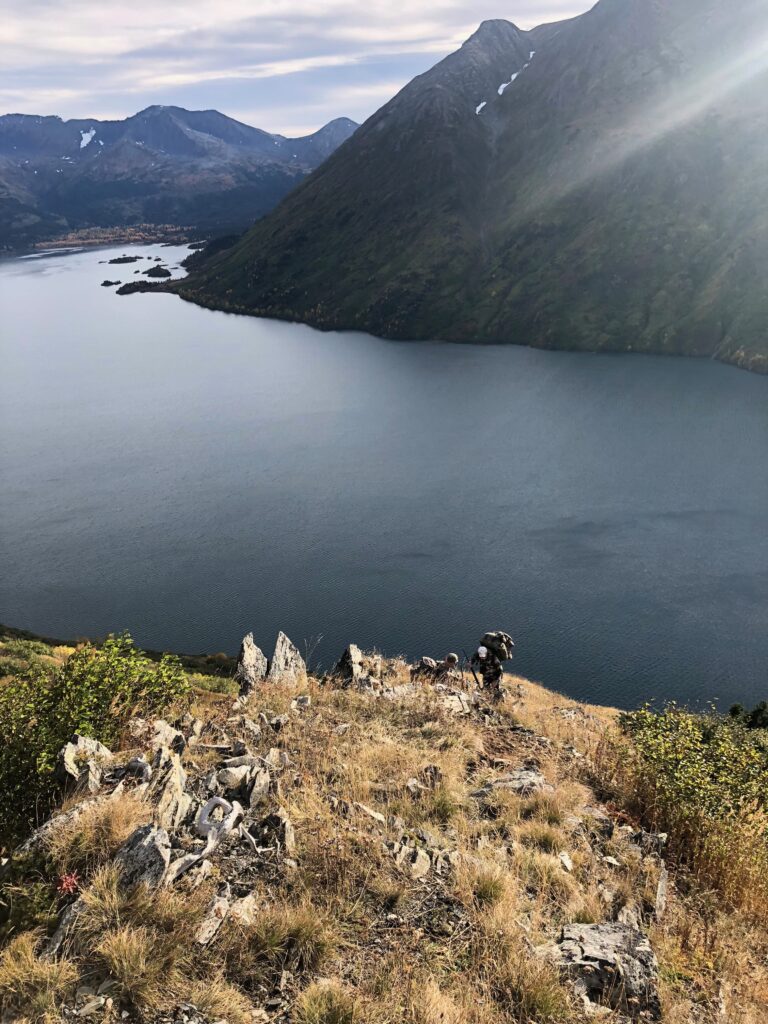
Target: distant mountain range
600, 183
164, 165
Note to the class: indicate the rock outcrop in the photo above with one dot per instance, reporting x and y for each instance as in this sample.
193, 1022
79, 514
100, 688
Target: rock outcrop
612, 965
252, 666
287, 664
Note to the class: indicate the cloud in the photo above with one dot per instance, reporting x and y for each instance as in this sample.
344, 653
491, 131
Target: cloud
290, 67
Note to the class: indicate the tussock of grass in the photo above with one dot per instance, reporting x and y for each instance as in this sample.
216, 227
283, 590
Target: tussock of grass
541, 836
325, 1003
96, 834
530, 990
146, 964
29, 985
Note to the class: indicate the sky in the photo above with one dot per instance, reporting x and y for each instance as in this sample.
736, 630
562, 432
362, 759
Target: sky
286, 66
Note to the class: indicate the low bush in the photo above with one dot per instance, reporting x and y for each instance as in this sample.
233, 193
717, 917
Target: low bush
703, 779
94, 693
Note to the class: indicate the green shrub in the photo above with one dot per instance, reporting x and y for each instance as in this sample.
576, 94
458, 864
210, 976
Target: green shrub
703, 779
94, 693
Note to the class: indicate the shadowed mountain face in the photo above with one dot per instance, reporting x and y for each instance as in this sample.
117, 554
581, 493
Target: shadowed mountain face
601, 183
163, 165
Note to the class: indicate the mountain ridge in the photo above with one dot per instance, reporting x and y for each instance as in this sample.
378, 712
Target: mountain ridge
593, 184
162, 165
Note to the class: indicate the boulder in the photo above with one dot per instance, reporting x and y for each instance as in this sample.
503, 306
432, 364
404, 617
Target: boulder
251, 666
287, 665
144, 857
613, 965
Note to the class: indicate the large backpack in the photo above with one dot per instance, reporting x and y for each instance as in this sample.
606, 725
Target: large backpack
500, 644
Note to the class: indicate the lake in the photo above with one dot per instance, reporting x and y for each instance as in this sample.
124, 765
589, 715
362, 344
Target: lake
190, 475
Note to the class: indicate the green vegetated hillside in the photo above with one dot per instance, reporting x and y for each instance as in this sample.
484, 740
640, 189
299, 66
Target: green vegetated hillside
596, 184
368, 847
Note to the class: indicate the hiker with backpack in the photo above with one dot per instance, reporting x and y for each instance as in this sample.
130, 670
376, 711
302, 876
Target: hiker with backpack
494, 648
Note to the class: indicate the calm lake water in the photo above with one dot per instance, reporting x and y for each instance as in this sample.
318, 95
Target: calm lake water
190, 475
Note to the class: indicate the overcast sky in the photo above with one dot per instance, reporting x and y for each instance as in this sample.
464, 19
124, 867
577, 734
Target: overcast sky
283, 65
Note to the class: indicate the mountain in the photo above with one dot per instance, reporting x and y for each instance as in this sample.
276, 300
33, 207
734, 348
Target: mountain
164, 165
600, 183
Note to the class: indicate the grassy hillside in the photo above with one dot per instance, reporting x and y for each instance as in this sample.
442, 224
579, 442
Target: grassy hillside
394, 872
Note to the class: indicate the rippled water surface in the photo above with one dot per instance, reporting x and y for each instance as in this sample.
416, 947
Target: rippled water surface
190, 475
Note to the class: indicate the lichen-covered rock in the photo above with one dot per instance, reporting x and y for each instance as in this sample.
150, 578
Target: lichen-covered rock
287, 665
168, 790
144, 858
612, 964
521, 782
252, 666
79, 761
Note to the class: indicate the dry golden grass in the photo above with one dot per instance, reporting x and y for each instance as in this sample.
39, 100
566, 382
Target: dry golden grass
326, 1002
146, 964
450, 949
94, 836
30, 985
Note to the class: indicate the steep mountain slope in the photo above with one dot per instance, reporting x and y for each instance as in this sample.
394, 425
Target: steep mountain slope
163, 165
601, 183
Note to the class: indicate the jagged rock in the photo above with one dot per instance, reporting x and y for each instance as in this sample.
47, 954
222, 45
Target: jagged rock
78, 761
349, 667
165, 737
287, 665
302, 703
277, 829
259, 788
277, 758
521, 781
380, 818
215, 916
144, 857
415, 861
252, 666
612, 964
173, 803
279, 722
233, 778
567, 863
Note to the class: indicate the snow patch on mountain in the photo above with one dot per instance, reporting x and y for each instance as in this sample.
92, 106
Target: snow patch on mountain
480, 106
86, 137
506, 85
